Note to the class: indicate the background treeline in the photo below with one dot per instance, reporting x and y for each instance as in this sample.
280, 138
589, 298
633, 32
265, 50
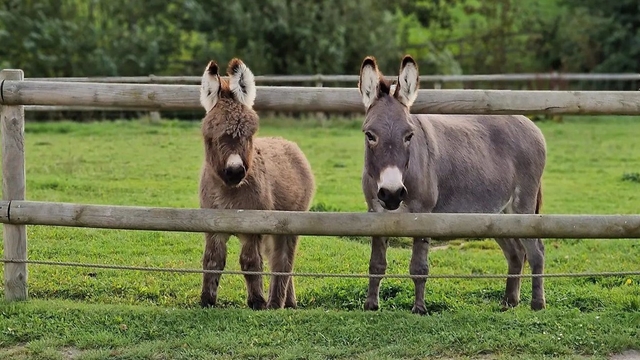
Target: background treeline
176, 37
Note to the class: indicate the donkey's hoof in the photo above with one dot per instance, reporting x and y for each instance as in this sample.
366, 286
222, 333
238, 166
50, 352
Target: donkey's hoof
504, 307
419, 309
274, 305
538, 304
207, 300
508, 303
257, 303
290, 305
371, 305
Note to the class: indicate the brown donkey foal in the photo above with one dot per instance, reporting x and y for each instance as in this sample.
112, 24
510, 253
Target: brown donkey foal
447, 164
241, 171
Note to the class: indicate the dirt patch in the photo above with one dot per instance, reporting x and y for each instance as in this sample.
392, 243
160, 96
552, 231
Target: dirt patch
627, 355
70, 353
17, 352
21, 352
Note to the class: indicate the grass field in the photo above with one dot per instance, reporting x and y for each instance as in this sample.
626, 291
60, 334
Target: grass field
94, 314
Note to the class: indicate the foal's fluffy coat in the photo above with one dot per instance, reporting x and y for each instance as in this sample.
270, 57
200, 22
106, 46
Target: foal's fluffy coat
275, 176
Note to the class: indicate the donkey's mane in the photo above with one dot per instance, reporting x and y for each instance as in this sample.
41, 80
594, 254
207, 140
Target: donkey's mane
235, 122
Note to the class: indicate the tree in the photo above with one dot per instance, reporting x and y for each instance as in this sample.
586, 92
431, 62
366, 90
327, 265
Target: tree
595, 36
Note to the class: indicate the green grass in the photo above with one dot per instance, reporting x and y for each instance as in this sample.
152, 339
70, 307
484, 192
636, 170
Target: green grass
93, 313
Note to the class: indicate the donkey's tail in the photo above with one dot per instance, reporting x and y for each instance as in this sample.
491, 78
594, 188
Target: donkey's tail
539, 199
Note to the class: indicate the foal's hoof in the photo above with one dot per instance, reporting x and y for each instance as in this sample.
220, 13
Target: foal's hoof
290, 305
371, 305
274, 305
419, 309
538, 304
207, 300
257, 303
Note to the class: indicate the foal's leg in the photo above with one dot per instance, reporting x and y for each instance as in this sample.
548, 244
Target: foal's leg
419, 266
515, 255
215, 258
281, 260
251, 260
377, 265
290, 301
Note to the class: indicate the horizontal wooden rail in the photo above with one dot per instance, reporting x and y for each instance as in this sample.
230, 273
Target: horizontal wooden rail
320, 224
285, 98
275, 79
48, 108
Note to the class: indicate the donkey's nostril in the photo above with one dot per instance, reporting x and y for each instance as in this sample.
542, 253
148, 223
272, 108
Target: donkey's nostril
234, 174
383, 194
402, 193
391, 199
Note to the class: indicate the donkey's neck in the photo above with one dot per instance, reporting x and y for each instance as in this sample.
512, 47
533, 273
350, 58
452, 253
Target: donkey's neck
420, 177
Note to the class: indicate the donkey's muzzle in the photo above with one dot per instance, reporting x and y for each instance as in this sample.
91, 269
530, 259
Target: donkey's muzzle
391, 199
233, 175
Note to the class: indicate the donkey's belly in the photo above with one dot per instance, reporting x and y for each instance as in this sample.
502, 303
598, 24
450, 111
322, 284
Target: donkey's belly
474, 203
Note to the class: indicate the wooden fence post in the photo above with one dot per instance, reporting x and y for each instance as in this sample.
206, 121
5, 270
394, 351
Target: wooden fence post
13, 188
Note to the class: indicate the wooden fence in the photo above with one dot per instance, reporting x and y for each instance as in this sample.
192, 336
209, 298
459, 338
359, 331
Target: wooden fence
16, 212
311, 99
20, 212
550, 81
320, 79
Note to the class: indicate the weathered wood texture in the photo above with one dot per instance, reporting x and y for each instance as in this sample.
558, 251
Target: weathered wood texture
47, 108
284, 98
14, 188
278, 79
324, 224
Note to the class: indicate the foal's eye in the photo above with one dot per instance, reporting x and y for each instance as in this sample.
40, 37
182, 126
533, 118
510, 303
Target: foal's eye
370, 136
408, 137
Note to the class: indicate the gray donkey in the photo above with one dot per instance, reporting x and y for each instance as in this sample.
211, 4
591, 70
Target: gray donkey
447, 164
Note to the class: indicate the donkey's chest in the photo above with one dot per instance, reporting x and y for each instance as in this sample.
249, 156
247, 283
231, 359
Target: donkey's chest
246, 196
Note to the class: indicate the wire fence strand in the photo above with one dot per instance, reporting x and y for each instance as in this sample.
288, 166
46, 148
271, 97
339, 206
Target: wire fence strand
320, 275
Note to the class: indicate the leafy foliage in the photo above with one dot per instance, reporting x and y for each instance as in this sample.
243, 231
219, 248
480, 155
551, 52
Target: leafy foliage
176, 37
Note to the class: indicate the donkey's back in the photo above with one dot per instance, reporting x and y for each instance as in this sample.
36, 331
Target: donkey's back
483, 163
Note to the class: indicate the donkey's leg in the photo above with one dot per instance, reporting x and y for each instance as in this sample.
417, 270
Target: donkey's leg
534, 248
281, 260
377, 265
215, 258
290, 301
515, 255
535, 253
251, 260
419, 266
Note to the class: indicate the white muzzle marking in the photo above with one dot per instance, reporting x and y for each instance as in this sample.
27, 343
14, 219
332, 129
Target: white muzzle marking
390, 179
234, 161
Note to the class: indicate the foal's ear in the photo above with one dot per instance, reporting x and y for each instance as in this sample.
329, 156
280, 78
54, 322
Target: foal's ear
408, 82
210, 86
369, 82
241, 82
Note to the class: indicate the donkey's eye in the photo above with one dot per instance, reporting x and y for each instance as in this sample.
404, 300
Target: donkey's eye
370, 136
408, 137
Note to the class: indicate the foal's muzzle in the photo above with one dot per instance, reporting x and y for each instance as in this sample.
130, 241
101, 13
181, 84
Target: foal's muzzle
391, 199
233, 175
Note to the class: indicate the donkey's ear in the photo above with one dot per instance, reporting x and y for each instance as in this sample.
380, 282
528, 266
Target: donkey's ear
210, 86
241, 82
408, 81
369, 82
